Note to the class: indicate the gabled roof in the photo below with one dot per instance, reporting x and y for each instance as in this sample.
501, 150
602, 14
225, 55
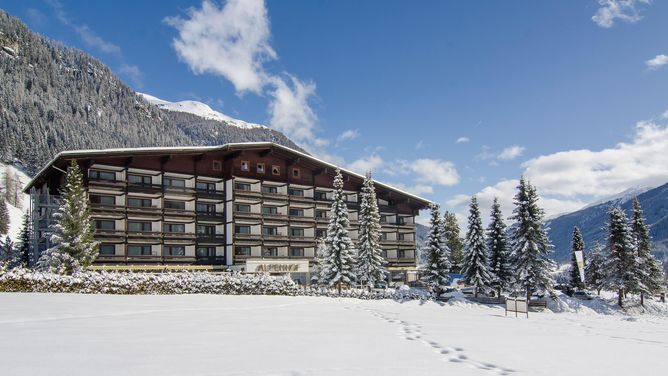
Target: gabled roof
201, 149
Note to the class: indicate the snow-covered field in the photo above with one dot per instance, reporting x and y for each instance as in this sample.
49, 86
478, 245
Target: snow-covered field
60, 334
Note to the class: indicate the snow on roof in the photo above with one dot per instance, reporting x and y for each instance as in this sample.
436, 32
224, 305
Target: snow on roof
236, 145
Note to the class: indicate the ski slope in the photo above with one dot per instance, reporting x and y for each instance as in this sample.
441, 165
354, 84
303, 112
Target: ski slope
62, 334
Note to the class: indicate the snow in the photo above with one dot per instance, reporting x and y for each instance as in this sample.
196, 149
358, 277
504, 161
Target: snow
620, 197
199, 109
70, 334
15, 214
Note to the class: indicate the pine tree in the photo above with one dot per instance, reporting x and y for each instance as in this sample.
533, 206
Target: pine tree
476, 261
529, 242
651, 275
24, 241
437, 253
318, 260
574, 272
621, 264
370, 262
453, 241
338, 267
4, 216
9, 255
74, 247
497, 245
594, 272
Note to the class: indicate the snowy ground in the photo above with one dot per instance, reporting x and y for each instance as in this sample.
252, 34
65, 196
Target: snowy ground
274, 335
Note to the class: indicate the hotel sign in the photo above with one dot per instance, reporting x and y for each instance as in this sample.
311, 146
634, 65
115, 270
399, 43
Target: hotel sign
277, 266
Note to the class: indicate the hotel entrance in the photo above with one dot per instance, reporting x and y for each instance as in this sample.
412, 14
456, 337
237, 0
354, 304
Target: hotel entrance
297, 270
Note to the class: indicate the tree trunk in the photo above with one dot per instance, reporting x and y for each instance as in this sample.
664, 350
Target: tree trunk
338, 286
620, 294
642, 299
598, 292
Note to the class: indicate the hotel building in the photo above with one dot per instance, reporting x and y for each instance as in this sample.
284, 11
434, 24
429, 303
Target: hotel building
245, 206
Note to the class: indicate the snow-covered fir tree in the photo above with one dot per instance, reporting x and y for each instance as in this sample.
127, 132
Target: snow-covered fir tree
24, 241
530, 246
74, 247
9, 254
370, 262
318, 260
621, 266
651, 275
453, 241
497, 246
476, 261
594, 273
437, 254
4, 216
339, 263
577, 244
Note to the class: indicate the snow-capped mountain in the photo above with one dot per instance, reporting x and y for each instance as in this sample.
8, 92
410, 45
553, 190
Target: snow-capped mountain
200, 109
623, 196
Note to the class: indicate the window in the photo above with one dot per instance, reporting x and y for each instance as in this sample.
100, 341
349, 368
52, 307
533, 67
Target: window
320, 195
207, 208
139, 202
139, 226
296, 231
383, 254
269, 210
139, 179
139, 250
243, 208
275, 170
107, 249
245, 166
401, 254
294, 212
383, 236
105, 224
321, 214
402, 237
103, 200
173, 250
205, 252
270, 252
173, 183
269, 189
205, 186
217, 166
206, 229
296, 252
296, 173
102, 175
260, 168
383, 218
242, 251
272, 231
242, 186
242, 229
401, 221
320, 233
174, 227
172, 204
296, 192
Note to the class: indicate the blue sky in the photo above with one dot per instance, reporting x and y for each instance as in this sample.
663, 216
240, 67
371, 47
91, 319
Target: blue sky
443, 98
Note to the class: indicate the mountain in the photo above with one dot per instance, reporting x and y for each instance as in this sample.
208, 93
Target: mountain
55, 98
592, 221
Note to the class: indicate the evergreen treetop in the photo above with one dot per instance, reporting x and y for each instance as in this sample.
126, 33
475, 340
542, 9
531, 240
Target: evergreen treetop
649, 270
438, 260
574, 272
370, 262
453, 241
497, 244
476, 261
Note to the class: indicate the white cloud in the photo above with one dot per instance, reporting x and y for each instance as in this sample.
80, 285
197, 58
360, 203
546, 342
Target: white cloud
416, 189
657, 61
462, 140
511, 152
349, 134
290, 110
132, 72
368, 164
429, 171
624, 10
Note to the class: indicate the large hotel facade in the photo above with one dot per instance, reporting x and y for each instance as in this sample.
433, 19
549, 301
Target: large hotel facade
247, 206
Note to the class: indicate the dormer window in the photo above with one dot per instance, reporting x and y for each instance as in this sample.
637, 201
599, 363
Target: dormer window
245, 166
275, 170
296, 173
260, 168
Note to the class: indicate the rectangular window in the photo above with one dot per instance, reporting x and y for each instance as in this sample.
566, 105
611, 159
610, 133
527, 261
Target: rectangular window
401, 221
242, 251
275, 170
139, 250
296, 192
207, 208
173, 182
270, 252
103, 200
205, 251
243, 208
139, 226
173, 204
174, 250
206, 229
107, 249
296, 231
271, 231
245, 166
402, 236
296, 173
320, 233
296, 252
205, 186
383, 254
217, 166
269, 189
320, 195
242, 186
101, 224
383, 236
238, 229
383, 218
321, 214
174, 227
269, 210
102, 175
260, 168
139, 202
401, 254
139, 179
294, 212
